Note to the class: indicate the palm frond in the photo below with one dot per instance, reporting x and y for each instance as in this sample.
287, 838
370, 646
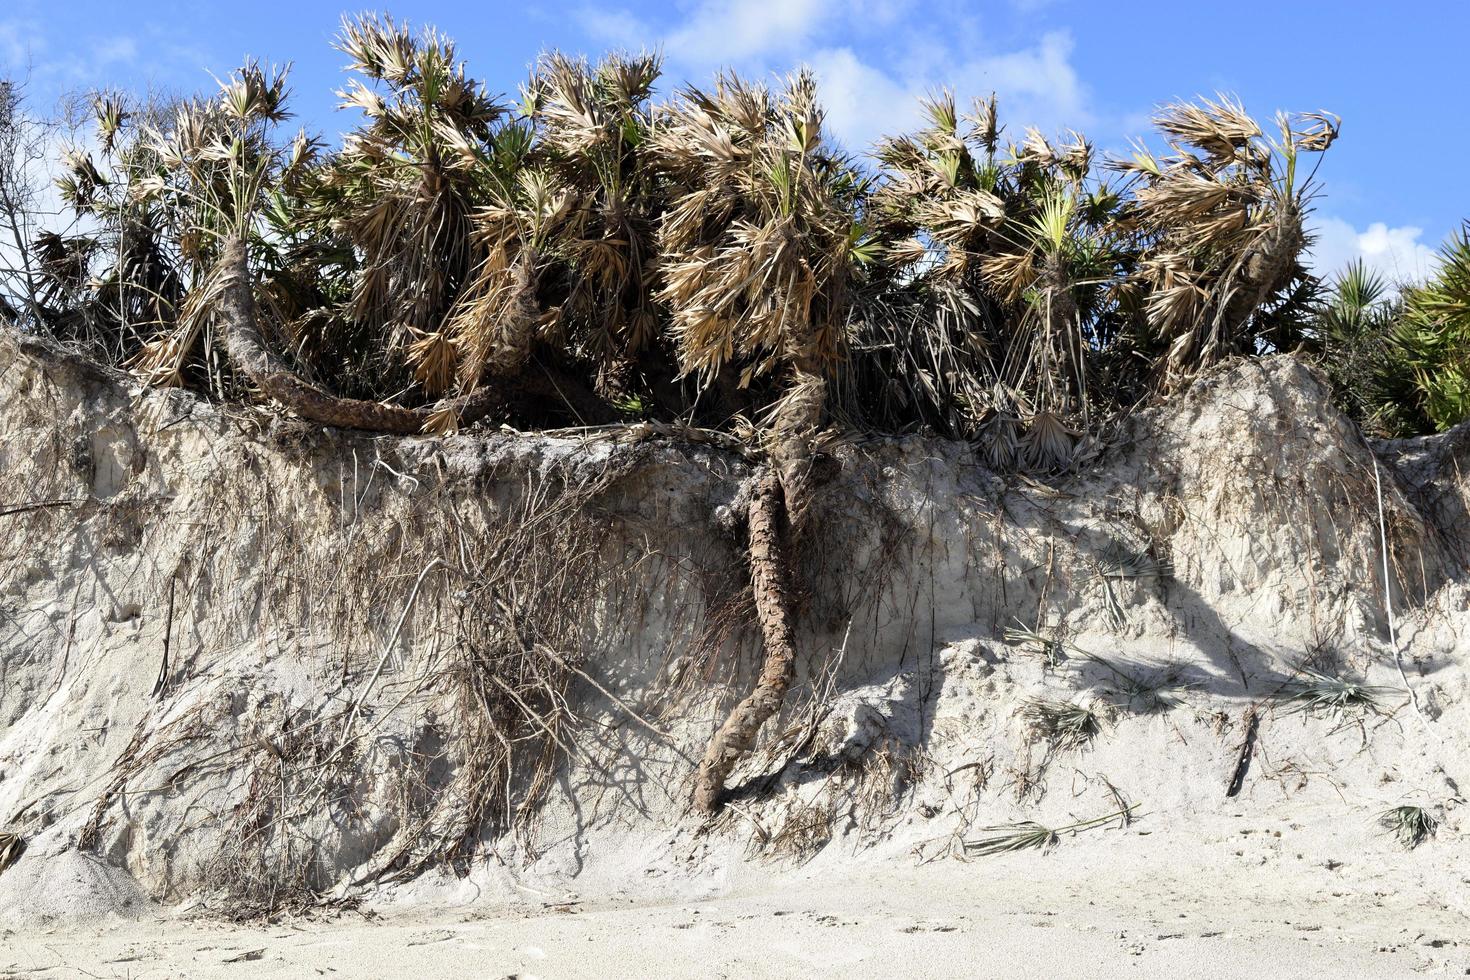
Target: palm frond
1411, 825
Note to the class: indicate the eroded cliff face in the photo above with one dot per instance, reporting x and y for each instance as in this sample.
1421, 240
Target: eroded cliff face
252, 663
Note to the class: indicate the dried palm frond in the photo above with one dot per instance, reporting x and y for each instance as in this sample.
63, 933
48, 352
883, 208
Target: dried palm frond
1322, 694
1029, 834
1137, 566
1036, 150
1001, 838
1221, 128
999, 434
1412, 825
1317, 131
1064, 724
1142, 687
1049, 442
986, 130
1075, 159
1051, 648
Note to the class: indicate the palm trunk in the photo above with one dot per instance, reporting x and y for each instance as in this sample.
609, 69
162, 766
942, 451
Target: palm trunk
516, 332
1265, 272
770, 576
778, 511
273, 376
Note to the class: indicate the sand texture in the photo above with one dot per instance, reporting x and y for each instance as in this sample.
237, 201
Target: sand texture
282, 701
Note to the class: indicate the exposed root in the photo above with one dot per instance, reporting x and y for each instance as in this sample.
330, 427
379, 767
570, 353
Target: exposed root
770, 574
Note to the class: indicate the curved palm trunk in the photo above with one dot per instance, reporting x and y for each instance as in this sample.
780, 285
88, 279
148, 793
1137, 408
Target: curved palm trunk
770, 575
272, 375
778, 510
1265, 271
516, 332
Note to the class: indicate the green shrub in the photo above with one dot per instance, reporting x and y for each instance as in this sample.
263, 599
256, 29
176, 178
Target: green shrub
1371, 381
1434, 335
1399, 361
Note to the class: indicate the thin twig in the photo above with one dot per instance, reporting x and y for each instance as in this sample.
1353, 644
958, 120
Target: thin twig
40, 505
665, 736
382, 662
1393, 640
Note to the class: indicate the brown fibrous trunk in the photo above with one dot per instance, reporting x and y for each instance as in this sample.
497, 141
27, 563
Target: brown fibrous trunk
1266, 270
274, 377
771, 585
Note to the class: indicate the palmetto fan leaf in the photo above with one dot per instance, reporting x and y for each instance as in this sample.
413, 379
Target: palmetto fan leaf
756, 244
1221, 232
401, 195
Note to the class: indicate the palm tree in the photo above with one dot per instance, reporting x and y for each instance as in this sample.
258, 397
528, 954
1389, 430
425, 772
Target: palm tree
1434, 335
1354, 343
1222, 222
756, 253
396, 205
568, 242
1004, 258
217, 171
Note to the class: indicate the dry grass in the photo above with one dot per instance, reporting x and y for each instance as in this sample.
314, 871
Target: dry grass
806, 828
1064, 724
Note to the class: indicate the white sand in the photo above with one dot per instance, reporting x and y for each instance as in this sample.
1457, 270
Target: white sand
1156, 905
293, 556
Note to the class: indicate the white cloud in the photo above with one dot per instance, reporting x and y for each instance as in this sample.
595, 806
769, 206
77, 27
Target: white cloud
727, 32
1036, 86
1039, 83
615, 27
862, 102
1397, 254
872, 62
114, 50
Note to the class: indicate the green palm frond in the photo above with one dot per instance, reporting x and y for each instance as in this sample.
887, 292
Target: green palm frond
1434, 335
1411, 825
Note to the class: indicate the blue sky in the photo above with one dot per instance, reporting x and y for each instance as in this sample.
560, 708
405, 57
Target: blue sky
1394, 184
